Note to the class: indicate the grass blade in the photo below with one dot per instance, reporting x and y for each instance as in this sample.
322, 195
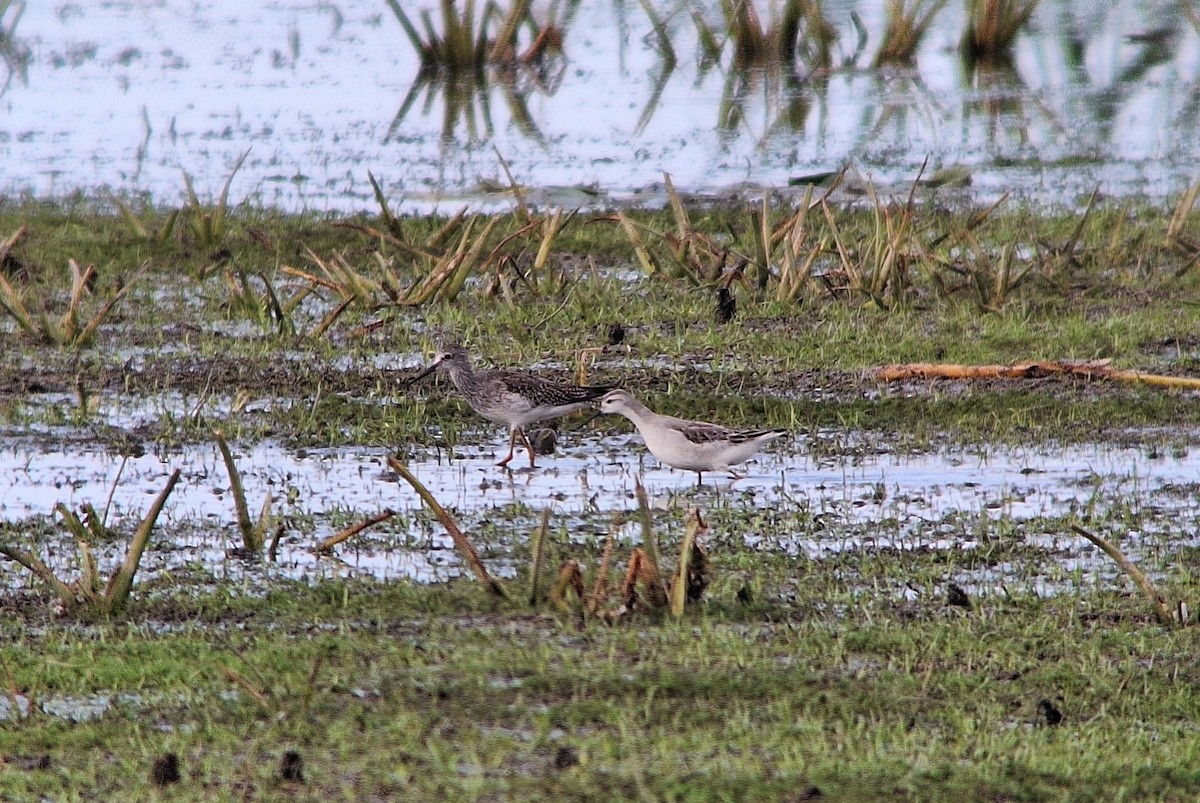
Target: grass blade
470, 556
252, 540
117, 595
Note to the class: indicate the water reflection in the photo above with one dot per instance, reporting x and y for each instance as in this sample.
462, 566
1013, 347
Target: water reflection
460, 96
14, 53
1089, 95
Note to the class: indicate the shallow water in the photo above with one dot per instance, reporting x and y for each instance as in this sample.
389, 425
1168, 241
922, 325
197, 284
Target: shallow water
937, 501
126, 95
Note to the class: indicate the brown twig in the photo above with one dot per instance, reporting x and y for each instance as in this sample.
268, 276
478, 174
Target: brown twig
235, 677
1091, 369
329, 543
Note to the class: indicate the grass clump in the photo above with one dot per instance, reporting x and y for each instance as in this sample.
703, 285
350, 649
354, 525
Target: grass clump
907, 23
465, 45
797, 32
992, 25
209, 224
73, 328
86, 594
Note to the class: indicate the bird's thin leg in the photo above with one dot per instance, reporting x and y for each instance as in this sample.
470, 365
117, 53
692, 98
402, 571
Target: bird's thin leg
512, 442
733, 475
528, 445
699, 479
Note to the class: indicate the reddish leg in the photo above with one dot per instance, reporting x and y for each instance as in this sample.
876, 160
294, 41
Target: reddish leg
512, 441
528, 445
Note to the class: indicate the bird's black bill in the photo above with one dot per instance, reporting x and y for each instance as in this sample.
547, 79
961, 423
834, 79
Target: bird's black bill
424, 373
589, 420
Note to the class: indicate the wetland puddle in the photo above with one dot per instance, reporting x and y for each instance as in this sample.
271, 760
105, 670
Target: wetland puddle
938, 501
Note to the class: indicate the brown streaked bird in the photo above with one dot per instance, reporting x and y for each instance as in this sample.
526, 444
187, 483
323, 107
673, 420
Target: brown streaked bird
512, 398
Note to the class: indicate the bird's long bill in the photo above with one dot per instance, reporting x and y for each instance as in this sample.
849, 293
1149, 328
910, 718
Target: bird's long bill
426, 371
589, 420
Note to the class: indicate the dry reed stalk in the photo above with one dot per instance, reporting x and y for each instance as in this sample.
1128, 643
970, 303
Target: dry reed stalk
537, 556
252, 538
599, 593
1157, 601
683, 582
643, 569
329, 543
569, 578
470, 556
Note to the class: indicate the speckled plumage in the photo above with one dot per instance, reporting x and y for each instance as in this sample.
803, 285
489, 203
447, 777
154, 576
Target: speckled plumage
512, 398
691, 445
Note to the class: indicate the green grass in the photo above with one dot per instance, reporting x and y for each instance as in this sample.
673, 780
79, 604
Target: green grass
1118, 290
445, 693
826, 675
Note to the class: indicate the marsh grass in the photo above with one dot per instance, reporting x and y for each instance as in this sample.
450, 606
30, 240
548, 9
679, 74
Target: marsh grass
992, 25
856, 694
491, 247
907, 23
1177, 233
87, 594
208, 224
846, 671
989, 285
464, 44
799, 32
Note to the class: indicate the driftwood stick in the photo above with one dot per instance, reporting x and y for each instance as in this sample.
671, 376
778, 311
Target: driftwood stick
1091, 369
329, 543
